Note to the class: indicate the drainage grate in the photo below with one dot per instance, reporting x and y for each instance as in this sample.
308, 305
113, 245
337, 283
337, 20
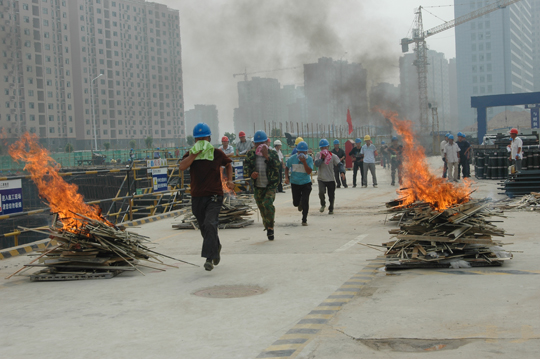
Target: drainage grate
230, 291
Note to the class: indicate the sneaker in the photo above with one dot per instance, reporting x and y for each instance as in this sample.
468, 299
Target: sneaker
322, 209
393, 184
353, 186
338, 186
347, 186
375, 185
364, 186
331, 212
300, 208
208, 265
270, 234
304, 224
218, 259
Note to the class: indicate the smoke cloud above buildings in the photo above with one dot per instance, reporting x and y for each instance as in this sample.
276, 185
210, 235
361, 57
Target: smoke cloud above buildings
224, 37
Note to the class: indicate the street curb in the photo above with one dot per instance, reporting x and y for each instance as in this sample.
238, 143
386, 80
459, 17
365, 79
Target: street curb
42, 244
153, 218
23, 249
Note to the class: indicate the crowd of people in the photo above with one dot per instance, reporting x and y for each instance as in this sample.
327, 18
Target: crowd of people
264, 165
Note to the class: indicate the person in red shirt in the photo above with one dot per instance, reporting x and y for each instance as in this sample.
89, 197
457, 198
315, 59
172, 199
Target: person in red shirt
204, 163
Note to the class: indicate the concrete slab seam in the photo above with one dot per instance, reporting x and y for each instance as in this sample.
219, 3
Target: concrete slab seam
295, 339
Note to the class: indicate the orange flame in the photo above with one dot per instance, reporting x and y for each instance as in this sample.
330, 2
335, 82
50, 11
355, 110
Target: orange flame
419, 184
62, 197
224, 186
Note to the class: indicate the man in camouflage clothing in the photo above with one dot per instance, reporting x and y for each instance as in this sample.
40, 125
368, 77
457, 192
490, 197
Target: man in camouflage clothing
262, 165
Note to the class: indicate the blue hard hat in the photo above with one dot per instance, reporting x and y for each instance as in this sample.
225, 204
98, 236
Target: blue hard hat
157, 148
324, 143
450, 137
201, 130
260, 136
336, 142
463, 135
382, 143
302, 146
132, 149
358, 140
394, 138
447, 135
460, 134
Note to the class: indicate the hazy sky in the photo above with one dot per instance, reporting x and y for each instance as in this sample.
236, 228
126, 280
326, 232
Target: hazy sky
222, 37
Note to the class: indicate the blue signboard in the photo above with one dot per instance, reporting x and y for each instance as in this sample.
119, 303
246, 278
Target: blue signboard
159, 179
11, 200
534, 117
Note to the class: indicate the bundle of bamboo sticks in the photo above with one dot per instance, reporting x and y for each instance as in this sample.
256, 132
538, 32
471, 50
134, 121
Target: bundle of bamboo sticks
460, 236
530, 202
234, 211
92, 249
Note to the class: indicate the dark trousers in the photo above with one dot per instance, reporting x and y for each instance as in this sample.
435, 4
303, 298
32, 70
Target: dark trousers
464, 168
280, 185
358, 165
337, 176
445, 168
331, 188
206, 210
300, 196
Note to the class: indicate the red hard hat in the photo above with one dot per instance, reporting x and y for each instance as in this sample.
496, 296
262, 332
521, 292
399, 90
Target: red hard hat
514, 131
224, 139
242, 134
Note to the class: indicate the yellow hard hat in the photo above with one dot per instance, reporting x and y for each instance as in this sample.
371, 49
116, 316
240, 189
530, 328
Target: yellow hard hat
367, 138
298, 140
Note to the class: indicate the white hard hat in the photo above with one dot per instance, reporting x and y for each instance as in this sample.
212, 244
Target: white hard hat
277, 143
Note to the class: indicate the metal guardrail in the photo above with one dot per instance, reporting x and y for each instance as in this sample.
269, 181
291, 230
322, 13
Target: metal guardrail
123, 207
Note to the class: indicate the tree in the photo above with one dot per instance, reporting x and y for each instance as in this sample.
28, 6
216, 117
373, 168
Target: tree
107, 145
190, 140
68, 148
132, 144
149, 141
231, 136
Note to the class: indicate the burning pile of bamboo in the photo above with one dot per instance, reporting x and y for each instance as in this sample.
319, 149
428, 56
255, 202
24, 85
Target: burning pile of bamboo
460, 236
92, 250
233, 212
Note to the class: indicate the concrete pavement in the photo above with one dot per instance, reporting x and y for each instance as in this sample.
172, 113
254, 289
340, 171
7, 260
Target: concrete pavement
488, 314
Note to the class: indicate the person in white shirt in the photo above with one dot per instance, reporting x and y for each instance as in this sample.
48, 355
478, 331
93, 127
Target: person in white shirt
516, 154
443, 144
228, 150
451, 154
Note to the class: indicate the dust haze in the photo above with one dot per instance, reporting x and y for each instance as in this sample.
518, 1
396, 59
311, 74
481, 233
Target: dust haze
221, 38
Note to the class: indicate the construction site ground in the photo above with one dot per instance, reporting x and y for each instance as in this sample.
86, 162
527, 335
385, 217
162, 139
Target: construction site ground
324, 295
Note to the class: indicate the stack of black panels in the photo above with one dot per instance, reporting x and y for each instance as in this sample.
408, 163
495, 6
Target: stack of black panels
522, 183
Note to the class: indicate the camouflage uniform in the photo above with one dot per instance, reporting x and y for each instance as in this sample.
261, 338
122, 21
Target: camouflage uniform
265, 196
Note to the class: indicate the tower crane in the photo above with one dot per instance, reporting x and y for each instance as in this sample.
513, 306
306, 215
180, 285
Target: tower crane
245, 73
419, 39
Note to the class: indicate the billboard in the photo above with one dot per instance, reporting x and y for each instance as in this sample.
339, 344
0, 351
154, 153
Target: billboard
11, 200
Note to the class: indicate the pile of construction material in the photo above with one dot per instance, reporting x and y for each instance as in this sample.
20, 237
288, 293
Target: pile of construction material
92, 250
233, 213
460, 236
522, 183
530, 202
